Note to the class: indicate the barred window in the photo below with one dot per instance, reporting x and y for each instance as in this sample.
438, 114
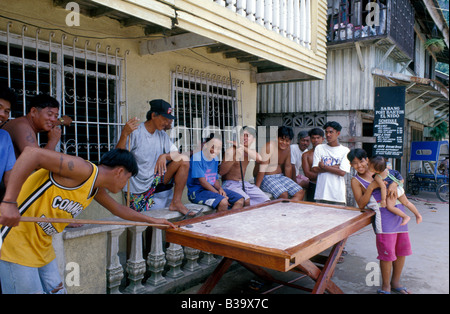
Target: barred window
204, 103
86, 82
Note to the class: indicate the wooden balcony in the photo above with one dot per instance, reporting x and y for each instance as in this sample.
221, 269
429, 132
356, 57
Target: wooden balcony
285, 40
391, 21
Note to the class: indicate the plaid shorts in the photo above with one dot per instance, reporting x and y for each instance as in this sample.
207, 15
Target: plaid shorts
277, 184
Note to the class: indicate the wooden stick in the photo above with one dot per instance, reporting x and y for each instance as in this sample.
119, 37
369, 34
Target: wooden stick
128, 182
89, 221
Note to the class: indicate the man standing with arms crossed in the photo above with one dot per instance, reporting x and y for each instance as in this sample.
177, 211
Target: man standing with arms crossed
331, 164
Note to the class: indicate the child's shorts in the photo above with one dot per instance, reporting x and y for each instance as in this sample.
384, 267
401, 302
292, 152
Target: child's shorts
212, 199
391, 245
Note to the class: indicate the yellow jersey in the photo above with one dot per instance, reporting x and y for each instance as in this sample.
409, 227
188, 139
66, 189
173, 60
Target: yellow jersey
30, 244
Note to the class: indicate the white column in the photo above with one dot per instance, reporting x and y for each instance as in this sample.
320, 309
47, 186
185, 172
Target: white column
259, 14
241, 6
231, 4
136, 263
303, 21
296, 21
251, 7
156, 259
283, 17
174, 256
268, 14
114, 270
290, 19
276, 16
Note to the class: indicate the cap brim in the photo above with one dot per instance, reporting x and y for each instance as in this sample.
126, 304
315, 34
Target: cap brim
169, 116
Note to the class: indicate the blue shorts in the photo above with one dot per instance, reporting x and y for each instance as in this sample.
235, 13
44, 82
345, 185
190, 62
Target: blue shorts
212, 199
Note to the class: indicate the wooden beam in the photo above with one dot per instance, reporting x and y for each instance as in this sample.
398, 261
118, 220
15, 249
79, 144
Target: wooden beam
388, 52
100, 11
417, 97
423, 106
146, 14
360, 57
173, 43
281, 76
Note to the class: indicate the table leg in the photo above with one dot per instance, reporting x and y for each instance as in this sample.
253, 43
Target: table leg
323, 277
214, 278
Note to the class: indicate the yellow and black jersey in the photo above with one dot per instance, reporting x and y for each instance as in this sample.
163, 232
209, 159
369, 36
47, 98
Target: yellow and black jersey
30, 244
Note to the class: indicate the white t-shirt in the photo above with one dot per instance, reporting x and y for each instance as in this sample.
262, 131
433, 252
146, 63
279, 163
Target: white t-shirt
147, 148
296, 158
331, 187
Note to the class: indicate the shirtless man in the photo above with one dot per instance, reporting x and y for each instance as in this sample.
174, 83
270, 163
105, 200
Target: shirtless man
316, 136
42, 117
238, 156
275, 171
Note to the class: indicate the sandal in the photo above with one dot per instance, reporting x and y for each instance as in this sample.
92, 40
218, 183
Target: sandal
400, 290
379, 291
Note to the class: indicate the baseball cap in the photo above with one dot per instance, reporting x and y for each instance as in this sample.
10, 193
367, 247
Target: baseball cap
161, 107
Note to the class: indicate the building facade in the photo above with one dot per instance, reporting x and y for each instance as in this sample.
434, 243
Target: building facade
361, 57
105, 59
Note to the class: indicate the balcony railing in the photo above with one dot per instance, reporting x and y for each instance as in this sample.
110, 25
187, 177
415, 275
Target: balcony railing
289, 18
352, 20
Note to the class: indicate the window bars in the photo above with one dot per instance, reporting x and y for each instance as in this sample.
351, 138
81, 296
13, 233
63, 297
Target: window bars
86, 81
204, 103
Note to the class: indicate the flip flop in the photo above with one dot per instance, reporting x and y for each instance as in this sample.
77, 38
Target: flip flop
198, 213
400, 290
379, 291
186, 216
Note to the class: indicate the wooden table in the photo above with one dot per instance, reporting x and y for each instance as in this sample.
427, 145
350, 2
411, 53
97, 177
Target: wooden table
279, 235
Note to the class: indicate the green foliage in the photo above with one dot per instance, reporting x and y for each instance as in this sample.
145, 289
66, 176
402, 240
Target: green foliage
440, 131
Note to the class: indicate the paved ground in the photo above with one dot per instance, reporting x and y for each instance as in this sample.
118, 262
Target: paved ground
425, 272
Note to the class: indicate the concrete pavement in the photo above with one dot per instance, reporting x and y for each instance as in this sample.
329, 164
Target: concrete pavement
425, 272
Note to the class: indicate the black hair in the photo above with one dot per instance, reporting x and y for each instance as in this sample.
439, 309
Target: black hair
302, 134
250, 130
210, 137
9, 95
378, 163
316, 131
357, 153
149, 114
43, 101
335, 125
120, 158
285, 131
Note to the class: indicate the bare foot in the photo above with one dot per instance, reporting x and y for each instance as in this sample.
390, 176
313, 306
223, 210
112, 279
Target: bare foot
179, 207
405, 220
418, 219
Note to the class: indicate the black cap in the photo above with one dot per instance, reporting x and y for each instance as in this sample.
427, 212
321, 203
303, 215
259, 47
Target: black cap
161, 107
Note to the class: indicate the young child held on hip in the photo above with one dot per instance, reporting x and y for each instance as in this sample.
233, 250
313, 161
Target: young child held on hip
377, 165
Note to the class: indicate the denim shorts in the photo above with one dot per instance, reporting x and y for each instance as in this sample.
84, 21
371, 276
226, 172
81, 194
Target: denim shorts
19, 279
205, 197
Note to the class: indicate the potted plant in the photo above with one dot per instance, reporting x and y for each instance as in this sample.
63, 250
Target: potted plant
436, 45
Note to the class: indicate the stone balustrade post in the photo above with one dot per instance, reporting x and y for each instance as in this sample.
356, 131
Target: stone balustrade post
136, 263
156, 259
114, 270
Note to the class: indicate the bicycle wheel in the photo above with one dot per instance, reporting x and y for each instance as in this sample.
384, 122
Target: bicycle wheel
442, 192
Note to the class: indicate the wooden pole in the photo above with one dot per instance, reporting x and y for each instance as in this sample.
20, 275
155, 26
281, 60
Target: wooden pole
89, 221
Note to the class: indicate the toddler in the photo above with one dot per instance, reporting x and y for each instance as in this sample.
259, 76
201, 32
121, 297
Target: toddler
377, 165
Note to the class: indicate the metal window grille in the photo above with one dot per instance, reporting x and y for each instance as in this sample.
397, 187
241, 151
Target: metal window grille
86, 82
204, 103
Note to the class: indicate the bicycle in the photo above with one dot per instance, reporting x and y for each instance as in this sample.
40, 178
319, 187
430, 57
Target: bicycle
442, 192
442, 189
